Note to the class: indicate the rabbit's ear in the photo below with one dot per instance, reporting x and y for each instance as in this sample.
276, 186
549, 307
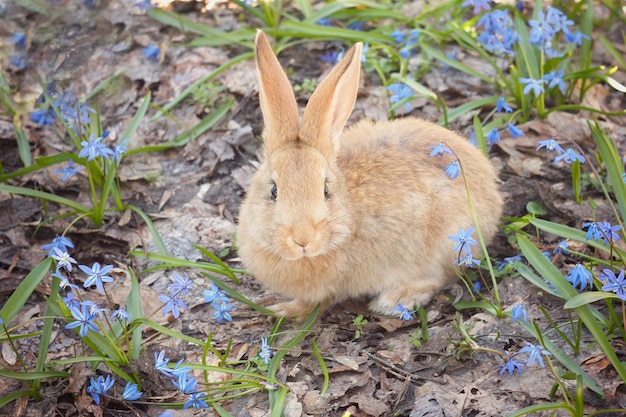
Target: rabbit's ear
331, 103
278, 103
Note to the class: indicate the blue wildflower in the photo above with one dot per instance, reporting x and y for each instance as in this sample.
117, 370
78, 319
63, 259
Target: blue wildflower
265, 352
131, 392
398, 36
64, 260
502, 106
19, 62
59, 242
94, 148
536, 86
43, 117
356, 25
68, 171
215, 295
119, 150
71, 301
439, 150
576, 38
404, 313
493, 137
580, 277
97, 275
472, 138
18, 39
613, 283
555, 78
623, 177
324, 21
401, 92
468, 261
172, 304
121, 315
181, 285
510, 366
151, 52
478, 5
453, 169
186, 384
535, 353
160, 363
99, 387
519, 313
609, 233
196, 401
463, 240
332, 57
593, 231
562, 248
179, 369
144, 5
221, 312
499, 35
509, 261
550, 145
84, 320
515, 131
569, 156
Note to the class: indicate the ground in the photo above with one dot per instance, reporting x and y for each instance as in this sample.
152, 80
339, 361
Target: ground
192, 193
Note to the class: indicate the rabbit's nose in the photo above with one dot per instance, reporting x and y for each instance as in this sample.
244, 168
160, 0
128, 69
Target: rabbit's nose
302, 243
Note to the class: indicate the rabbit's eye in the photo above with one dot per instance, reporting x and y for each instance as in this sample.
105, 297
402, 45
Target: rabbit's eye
326, 192
274, 192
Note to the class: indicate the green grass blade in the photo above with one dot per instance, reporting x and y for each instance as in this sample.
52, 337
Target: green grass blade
171, 262
467, 107
227, 271
588, 298
166, 331
440, 56
611, 49
158, 241
44, 196
23, 291
234, 294
133, 306
14, 396
29, 376
132, 127
320, 359
23, 146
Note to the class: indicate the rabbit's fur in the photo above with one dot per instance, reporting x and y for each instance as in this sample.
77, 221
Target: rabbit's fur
334, 214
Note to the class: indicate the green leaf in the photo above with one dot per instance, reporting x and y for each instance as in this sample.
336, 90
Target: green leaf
132, 127
23, 291
44, 196
227, 271
14, 396
30, 376
133, 307
158, 241
23, 146
234, 294
588, 298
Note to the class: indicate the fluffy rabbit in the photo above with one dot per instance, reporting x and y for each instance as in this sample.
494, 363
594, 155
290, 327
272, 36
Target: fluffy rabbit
365, 212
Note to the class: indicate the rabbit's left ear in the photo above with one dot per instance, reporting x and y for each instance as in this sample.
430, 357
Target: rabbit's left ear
278, 103
331, 104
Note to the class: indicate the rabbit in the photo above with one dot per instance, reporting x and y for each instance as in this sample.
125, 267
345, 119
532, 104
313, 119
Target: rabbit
360, 213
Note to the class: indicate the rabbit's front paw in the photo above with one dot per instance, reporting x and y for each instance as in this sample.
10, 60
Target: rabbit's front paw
387, 302
292, 309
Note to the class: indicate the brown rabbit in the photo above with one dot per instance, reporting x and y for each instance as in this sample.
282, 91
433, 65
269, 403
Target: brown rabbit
334, 214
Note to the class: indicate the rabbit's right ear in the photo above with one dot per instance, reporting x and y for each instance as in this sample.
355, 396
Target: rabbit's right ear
278, 102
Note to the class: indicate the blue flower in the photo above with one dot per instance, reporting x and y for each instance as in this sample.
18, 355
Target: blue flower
535, 353
70, 301
515, 131
119, 150
18, 61
401, 92
181, 285
398, 36
173, 304
519, 313
84, 319
196, 401
464, 240
502, 106
580, 277
332, 57
509, 261
144, 5
493, 136
43, 117
562, 248
499, 35
550, 145
94, 148
266, 352
18, 39
94, 309
404, 313
613, 283
623, 176
64, 260
569, 156
510, 366
576, 38
541, 31
555, 78
179, 369
186, 384
131, 392
59, 242
453, 170
609, 233
536, 86
221, 312
324, 21
99, 387
121, 315
356, 25
366, 47
472, 138
558, 20
410, 44
97, 275
439, 150
68, 171
593, 231
160, 363
64, 281
215, 295
547, 255
478, 5
151, 52
468, 261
